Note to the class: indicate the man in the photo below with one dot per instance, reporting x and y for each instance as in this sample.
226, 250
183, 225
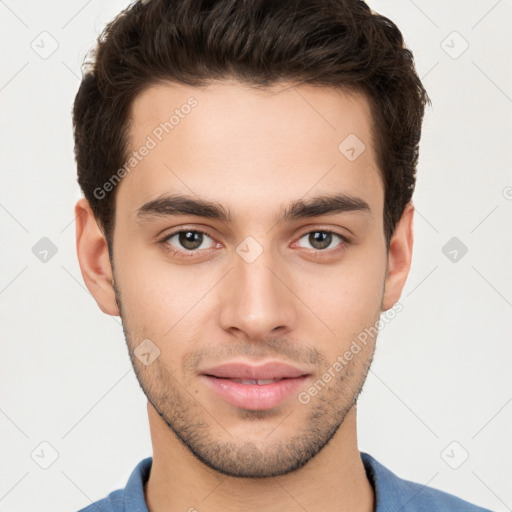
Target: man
248, 170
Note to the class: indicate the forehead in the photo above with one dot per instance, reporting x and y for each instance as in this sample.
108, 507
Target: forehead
249, 148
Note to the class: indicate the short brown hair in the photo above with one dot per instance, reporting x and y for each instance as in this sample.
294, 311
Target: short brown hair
335, 43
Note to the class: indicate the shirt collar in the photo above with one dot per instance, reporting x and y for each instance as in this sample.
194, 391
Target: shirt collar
134, 491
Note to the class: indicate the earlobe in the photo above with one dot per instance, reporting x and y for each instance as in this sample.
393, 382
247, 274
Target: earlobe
93, 257
399, 258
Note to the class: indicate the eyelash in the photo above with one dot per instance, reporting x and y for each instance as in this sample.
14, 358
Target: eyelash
187, 254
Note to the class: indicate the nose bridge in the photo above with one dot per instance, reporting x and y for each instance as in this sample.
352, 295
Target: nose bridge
257, 300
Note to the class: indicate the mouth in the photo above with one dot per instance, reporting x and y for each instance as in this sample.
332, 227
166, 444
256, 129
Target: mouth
254, 394
259, 382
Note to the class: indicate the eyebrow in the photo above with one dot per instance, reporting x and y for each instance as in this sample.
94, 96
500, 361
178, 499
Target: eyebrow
177, 205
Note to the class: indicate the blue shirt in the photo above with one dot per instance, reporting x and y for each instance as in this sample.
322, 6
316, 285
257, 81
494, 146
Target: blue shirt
392, 493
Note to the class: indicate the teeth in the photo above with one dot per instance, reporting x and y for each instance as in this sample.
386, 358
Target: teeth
254, 381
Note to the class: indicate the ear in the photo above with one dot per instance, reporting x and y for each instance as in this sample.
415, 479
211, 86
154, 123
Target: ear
93, 257
399, 258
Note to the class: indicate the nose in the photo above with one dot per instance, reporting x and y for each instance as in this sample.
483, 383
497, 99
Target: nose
257, 300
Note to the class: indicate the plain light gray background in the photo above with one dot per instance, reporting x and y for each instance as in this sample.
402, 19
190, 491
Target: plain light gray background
439, 390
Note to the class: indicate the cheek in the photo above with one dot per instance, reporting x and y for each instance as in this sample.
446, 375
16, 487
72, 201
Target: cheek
346, 297
162, 300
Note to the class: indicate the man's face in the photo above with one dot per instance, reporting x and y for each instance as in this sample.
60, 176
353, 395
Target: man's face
255, 288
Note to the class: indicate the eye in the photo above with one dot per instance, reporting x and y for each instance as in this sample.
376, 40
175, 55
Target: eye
187, 241
320, 240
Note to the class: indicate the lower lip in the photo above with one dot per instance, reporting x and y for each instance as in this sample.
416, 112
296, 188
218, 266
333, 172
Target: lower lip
255, 397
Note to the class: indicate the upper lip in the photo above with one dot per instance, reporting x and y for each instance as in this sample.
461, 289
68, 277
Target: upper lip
271, 370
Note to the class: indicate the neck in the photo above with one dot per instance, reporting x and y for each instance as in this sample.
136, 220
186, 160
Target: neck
333, 481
